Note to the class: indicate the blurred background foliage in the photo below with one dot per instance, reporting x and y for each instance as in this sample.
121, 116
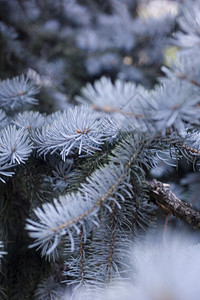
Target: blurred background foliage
64, 44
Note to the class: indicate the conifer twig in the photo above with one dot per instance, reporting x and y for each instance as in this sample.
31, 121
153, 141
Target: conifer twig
163, 197
184, 76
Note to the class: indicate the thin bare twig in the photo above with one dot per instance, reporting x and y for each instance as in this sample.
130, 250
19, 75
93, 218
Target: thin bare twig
162, 196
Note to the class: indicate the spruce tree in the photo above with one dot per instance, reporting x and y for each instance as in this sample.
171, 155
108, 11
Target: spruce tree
99, 145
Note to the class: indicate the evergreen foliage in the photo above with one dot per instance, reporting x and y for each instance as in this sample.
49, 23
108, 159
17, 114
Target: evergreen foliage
94, 116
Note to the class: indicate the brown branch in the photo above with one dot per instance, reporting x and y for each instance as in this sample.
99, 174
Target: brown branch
162, 196
111, 250
111, 109
183, 76
184, 147
82, 256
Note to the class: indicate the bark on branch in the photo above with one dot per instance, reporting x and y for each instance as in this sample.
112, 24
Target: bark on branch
162, 196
